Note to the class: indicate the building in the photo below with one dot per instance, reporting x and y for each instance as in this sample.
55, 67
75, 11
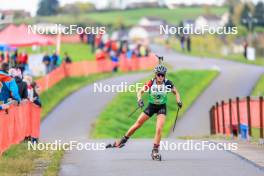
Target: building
151, 25
151, 21
7, 16
213, 21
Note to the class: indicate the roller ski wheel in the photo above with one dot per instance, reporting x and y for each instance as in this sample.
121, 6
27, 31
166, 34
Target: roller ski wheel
155, 155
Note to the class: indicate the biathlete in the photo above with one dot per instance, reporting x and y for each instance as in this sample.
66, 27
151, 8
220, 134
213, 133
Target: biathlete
157, 88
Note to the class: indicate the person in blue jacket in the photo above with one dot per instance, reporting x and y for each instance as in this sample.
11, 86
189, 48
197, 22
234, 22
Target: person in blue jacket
3, 106
9, 87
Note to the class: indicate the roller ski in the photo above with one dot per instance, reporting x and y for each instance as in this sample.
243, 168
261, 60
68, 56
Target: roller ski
118, 144
155, 155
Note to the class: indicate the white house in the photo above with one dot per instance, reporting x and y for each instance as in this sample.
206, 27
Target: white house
6, 17
213, 21
151, 21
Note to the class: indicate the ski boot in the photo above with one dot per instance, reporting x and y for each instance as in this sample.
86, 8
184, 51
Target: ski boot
155, 153
118, 144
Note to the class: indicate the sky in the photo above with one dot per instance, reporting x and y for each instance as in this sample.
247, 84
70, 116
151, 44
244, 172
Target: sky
31, 5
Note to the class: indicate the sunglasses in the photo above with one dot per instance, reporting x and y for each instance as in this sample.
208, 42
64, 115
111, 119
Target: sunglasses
160, 75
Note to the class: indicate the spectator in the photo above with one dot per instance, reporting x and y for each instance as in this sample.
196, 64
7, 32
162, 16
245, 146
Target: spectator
245, 48
14, 58
23, 61
36, 101
28, 80
6, 57
67, 58
9, 87
91, 41
47, 61
182, 40
2, 57
100, 55
188, 41
142, 51
82, 36
114, 59
54, 61
3, 106
5, 67
36, 92
22, 86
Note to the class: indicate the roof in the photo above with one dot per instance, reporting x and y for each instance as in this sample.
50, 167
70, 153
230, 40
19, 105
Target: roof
211, 17
153, 18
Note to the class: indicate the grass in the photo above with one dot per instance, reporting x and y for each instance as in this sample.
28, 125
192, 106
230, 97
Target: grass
211, 47
130, 17
259, 88
53, 168
53, 96
113, 121
18, 160
77, 51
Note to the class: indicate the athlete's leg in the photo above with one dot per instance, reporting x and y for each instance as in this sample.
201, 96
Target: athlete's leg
159, 126
140, 121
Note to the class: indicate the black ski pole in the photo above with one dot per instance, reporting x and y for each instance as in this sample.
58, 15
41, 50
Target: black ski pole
133, 112
176, 119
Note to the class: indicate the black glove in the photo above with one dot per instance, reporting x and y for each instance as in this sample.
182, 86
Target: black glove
180, 104
140, 103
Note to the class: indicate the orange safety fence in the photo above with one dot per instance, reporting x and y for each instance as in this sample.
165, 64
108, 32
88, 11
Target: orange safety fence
230, 117
84, 68
24, 120
17, 123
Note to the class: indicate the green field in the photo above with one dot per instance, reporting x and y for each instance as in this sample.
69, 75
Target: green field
259, 87
210, 46
113, 121
77, 51
131, 17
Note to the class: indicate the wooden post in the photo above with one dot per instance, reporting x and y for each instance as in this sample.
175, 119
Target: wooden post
249, 116
217, 116
223, 116
230, 117
261, 130
238, 115
212, 120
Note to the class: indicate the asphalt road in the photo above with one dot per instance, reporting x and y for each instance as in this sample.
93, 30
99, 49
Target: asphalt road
73, 118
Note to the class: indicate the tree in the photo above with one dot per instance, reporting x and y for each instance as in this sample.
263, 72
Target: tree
259, 13
48, 7
246, 15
